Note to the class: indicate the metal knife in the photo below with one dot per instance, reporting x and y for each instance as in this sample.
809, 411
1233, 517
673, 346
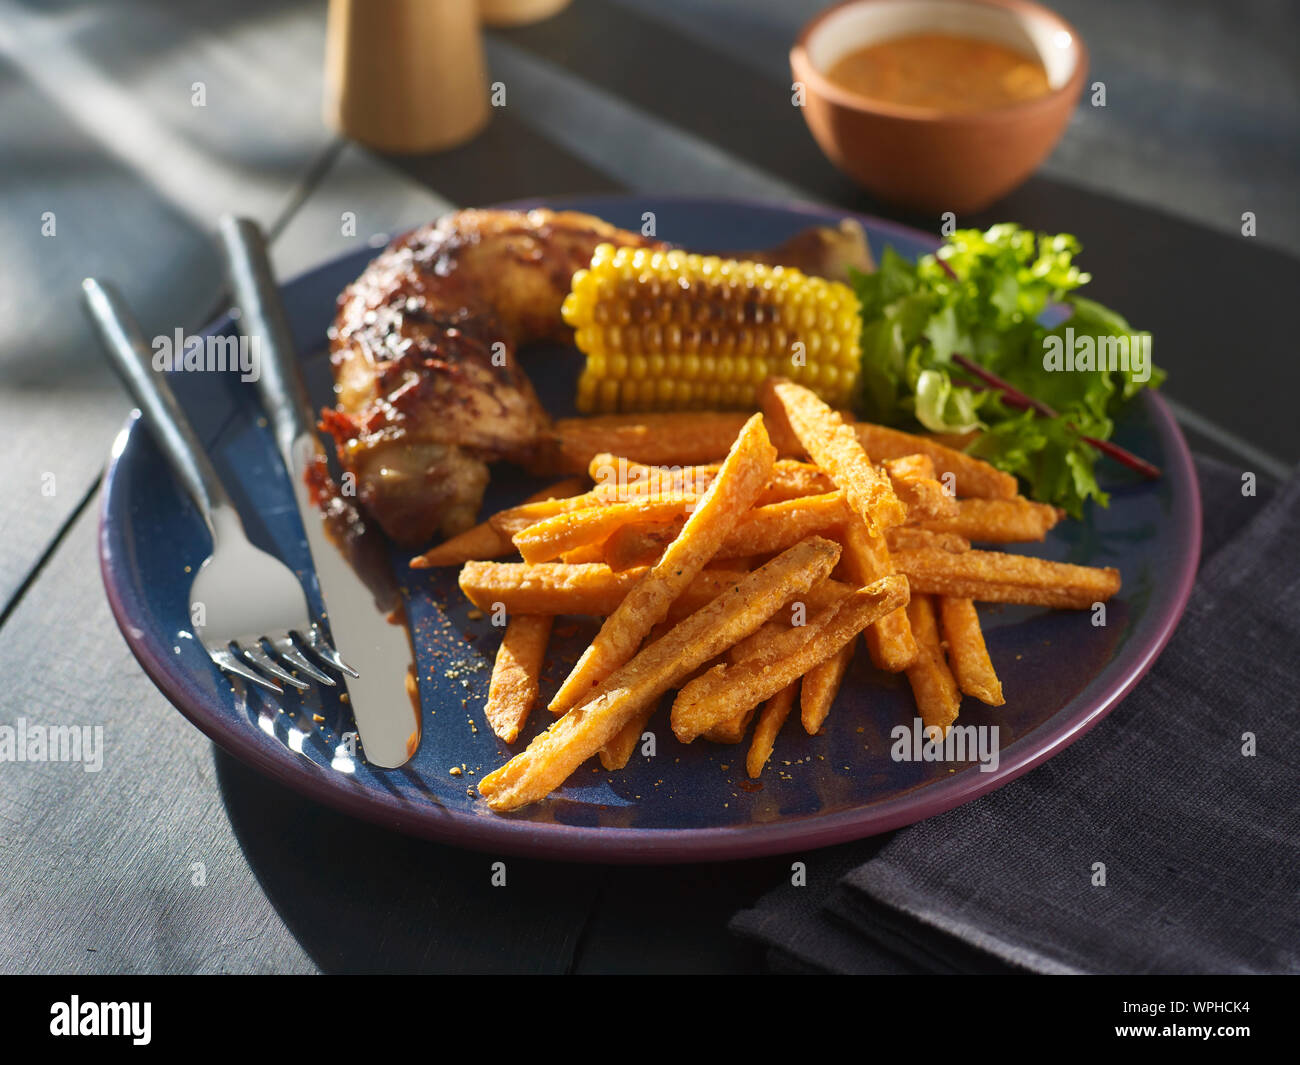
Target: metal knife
365, 620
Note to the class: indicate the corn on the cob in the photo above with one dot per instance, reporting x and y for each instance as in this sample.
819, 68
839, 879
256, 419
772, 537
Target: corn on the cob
670, 330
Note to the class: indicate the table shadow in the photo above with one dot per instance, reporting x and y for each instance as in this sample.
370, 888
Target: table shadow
362, 899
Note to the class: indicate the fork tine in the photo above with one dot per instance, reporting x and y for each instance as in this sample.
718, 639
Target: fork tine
286, 649
223, 658
262, 660
317, 642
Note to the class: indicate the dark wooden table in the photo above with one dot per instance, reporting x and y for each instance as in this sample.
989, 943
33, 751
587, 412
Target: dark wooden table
109, 166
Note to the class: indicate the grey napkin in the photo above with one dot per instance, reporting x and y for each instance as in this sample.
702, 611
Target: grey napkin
1201, 843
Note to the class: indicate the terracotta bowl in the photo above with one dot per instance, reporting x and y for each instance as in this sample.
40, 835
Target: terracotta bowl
921, 157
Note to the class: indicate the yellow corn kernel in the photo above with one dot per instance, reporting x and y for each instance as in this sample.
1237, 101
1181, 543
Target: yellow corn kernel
664, 329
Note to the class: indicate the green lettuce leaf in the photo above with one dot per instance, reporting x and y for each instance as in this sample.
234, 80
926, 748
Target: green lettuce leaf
985, 295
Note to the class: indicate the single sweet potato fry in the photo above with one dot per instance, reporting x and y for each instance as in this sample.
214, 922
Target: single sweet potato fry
933, 685
760, 642
618, 477
593, 590
585, 553
993, 577
733, 729
552, 537
588, 588
915, 467
513, 690
998, 521
968, 655
866, 559
515, 519
908, 537
618, 751
770, 720
820, 686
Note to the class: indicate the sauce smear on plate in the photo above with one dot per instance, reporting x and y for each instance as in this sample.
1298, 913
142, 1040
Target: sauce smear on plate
941, 71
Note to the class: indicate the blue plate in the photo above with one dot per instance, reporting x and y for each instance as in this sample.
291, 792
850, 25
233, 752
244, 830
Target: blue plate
1060, 672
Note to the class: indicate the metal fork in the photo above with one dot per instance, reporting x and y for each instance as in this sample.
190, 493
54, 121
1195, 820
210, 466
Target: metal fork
247, 607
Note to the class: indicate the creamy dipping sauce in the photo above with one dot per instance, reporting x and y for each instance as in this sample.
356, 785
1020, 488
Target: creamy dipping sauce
941, 71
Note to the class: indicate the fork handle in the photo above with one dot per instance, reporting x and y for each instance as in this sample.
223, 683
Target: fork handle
262, 319
132, 358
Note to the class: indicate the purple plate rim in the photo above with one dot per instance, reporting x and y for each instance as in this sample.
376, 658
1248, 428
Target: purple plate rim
633, 845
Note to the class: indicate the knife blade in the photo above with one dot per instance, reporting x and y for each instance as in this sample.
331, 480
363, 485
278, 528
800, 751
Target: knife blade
364, 614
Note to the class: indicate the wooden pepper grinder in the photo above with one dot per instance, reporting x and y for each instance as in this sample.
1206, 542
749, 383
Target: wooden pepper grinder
518, 12
405, 76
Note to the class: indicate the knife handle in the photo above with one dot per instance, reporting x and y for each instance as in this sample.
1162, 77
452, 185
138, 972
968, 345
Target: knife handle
131, 357
262, 320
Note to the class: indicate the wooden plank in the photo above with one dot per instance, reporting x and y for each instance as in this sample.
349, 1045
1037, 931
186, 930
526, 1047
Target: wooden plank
58, 401
628, 143
507, 161
691, 86
112, 170
360, 201
360, 899
216, 110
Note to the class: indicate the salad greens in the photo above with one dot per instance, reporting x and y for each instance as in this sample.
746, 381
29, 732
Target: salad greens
987, 296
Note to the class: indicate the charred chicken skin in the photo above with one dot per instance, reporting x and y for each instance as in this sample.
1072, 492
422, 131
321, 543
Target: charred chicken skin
423, 350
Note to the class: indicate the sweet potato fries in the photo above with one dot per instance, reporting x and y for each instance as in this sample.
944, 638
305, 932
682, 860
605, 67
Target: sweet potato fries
741, 581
